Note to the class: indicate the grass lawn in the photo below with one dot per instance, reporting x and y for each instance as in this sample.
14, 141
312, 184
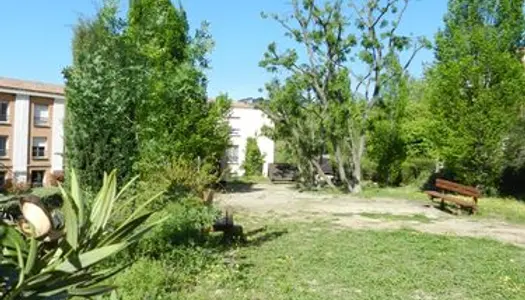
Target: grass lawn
507, 209
319, 261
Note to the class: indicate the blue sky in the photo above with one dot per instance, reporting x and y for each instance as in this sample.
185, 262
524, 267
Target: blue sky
36, 36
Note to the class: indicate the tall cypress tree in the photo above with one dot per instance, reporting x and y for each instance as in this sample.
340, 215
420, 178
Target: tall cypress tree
175, 118
102, 88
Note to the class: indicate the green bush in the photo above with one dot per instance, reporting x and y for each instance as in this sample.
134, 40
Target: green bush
172, 257
417, 170
185, 224
368, 169
254, 160
180, 178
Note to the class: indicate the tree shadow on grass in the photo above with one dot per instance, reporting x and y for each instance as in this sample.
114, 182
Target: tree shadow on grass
235, 187
204, 238
262, 235
253, 238
448, 208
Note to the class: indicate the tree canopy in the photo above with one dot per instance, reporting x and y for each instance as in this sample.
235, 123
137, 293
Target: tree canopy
137, 93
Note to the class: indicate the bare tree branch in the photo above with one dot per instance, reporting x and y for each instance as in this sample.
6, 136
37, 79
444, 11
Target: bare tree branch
396, 24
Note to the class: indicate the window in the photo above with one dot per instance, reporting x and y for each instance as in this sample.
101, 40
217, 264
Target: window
41, 115
235, 132
232, 154
39, 147
37, 178
3, 146
4, 111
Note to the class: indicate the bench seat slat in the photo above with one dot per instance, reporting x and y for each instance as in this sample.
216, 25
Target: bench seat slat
458, 188
449, 198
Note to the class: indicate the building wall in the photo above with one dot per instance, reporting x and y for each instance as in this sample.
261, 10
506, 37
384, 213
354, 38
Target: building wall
247, 121
45, 131
21, 129
6, 129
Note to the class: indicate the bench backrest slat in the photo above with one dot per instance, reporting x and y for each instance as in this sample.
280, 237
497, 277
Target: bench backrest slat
458, 188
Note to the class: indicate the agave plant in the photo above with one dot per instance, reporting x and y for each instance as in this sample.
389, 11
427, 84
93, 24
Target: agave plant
39, 264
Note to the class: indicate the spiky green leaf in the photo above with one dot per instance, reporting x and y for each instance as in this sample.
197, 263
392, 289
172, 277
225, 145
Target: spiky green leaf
92, 257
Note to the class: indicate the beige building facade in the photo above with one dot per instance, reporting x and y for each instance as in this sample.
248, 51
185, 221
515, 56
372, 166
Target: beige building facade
31, 131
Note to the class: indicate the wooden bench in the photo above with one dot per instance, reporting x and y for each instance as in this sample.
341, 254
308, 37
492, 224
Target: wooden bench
445, 185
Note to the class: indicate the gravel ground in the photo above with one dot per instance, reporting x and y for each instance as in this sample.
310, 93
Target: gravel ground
353, 212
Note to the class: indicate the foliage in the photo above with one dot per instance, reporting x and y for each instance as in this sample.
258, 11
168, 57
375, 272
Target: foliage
71, 265
282, 152
387, 146
399, 138
417, 171
254, 160
175, 118
17, 188
180, 178
295, 126
171, 258
185, 221
478, 86
137, 93
329, 93
102, 87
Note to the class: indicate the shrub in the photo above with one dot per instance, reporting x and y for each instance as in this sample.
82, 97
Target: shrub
173, 256
70, 259
368, 169
185, 225
417, 170
18, 188
180, 178
254, 160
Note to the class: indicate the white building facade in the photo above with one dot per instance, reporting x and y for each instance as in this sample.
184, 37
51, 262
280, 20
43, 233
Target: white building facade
247, 121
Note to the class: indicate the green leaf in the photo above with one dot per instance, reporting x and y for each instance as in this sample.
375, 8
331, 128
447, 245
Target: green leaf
11, 238
76, 194
97, 206
71, 221
142, 207
104, 203
91, 291
126, 187
101, 276
92, 257
125, 230
137, 235
33, 250
20, 265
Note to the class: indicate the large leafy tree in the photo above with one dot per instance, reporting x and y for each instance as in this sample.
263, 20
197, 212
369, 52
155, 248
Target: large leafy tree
336, 95
478, 85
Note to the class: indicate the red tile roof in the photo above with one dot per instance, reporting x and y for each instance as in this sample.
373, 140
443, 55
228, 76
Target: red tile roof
31, 86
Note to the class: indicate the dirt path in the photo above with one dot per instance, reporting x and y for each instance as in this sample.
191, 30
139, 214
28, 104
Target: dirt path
353, 212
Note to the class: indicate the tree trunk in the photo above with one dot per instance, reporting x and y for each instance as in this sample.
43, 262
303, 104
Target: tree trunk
322, 174
358, 151
341, 167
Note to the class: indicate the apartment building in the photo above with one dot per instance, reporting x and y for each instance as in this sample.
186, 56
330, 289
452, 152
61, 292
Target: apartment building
31, 131
247, 121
